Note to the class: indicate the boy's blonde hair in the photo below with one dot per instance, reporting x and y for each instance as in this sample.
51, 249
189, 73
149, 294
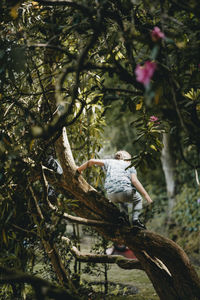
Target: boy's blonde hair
123, 155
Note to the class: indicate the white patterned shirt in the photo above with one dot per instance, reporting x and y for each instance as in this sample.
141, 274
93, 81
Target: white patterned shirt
118, 175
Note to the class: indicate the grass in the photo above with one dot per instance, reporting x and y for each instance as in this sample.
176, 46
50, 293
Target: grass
136, 278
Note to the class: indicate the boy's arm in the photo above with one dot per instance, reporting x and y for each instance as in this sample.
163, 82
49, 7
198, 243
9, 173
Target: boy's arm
90, 163
140, 188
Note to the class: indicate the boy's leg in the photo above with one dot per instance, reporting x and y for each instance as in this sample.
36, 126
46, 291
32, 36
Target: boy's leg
137, 206
129, 196
123, 207
118, 199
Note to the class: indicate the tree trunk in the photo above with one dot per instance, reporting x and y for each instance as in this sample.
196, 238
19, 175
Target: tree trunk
168, 165
165, 263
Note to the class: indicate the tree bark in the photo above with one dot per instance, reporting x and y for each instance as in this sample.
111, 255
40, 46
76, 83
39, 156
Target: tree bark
165, 263
121, 261
168, 165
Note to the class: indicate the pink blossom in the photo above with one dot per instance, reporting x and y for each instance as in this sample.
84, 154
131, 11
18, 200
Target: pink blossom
153, 119
157, 34
145, 72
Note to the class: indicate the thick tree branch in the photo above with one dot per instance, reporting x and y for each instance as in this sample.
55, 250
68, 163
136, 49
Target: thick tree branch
68, 217
121, 261
162, 260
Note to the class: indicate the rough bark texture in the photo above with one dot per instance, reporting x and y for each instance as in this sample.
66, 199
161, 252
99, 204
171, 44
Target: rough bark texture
165, 263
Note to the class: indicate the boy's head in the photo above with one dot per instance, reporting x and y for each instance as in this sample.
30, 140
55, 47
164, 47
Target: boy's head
123, 155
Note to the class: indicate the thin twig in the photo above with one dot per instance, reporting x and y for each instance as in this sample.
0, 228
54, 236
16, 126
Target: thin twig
36, 203
197, 177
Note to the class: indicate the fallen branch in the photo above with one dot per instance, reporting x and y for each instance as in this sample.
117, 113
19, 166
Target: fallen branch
121, 261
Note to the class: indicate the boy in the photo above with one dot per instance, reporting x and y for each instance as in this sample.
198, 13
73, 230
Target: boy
121, 183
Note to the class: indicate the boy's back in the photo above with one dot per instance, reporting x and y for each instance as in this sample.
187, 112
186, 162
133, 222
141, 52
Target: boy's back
118, 175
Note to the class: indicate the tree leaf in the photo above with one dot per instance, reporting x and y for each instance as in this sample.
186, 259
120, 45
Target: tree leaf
14, 11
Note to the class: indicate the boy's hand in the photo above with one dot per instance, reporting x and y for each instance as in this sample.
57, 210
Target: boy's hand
149, 200
78, 170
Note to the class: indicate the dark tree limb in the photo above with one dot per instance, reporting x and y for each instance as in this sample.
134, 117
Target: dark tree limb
45, 288
162, 259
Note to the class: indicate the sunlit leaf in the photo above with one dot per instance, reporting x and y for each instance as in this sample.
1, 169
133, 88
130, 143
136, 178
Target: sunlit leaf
14, 11
35, 4
153, 147
139, 105
4, 237
192, 94
181, 45
198, 107
36, 130
31, 144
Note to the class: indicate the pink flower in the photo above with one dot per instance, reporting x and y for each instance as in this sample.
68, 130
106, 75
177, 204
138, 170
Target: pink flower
153, 119
145, 72
157, 34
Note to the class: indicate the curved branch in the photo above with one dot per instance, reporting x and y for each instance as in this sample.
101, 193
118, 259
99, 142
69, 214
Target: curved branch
165, 263
97, 29
55, 127
171, 255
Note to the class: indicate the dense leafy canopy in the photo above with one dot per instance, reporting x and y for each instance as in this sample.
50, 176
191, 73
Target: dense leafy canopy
79, 58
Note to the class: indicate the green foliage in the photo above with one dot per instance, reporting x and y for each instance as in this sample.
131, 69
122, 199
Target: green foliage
79, 59
186, 210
